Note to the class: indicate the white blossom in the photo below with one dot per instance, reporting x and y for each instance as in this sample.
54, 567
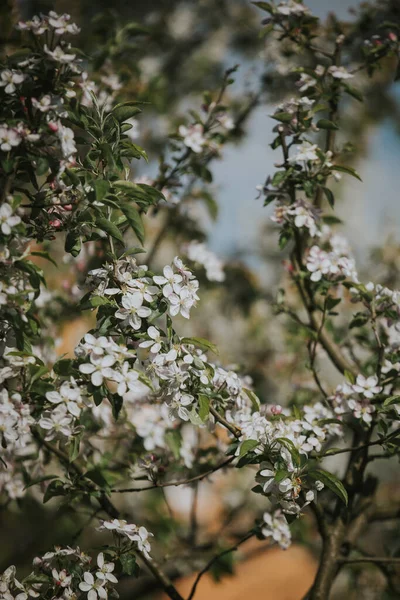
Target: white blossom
193, 137
9, 79
7, 219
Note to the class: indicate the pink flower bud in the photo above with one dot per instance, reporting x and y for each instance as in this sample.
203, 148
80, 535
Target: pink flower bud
53, 126
276, 409
56, 223
392, 36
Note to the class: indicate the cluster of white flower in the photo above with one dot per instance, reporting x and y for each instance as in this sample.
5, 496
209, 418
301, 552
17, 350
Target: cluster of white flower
65, 573
300, 214
330, 265
138, 535
293, 105
193, 137
200, 254
355, 399
66, 404
60, 24
308, 81
309, 156
275, 526
292, 8
15, 422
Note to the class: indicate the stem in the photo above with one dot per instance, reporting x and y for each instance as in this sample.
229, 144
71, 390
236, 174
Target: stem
214, 559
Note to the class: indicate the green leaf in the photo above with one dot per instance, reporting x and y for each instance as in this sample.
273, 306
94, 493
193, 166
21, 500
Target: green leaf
264, 6
204, 407
109, 227
44, 255
55, 488
133, 250
329, 195
391, 400
201, 343
283, 117
350, 377
174, 441
294, 453
348, 170
73, 243
353, 92
332, 302
128, 564
253, 398
247, 446
74, 448
326, 124
38, 480
134, 220
126, 110
330, 481
101, 187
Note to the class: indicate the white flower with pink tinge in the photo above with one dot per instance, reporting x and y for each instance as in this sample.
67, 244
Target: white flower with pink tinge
132, 310
154, 343
9, 138
94, 588
134, 533
339, 72
9, 79
106, 569
56, 422
367, 386
7, 219
193, 137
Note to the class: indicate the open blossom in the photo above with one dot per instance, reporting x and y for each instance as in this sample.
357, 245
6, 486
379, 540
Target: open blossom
339, 72
67, 140
44, 104
193, 136
36, 25
59, 55
7, 219
304, 216
9, 79
61, 23
61, 578
199, 253
361, 410
94, 587
305, 152
127, 379
276, 526
136, 534
154, 343
106, 569
69, 395
9, 138
99, 368
367, 386
56, 422
170, 281
291, 8
132, 310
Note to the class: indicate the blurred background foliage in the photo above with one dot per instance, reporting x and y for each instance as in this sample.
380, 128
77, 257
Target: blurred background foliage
167, 53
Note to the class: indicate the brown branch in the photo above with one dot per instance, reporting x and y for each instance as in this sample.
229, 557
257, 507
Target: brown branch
178, 481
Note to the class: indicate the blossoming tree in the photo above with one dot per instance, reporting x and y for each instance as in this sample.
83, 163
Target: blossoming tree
138, 401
